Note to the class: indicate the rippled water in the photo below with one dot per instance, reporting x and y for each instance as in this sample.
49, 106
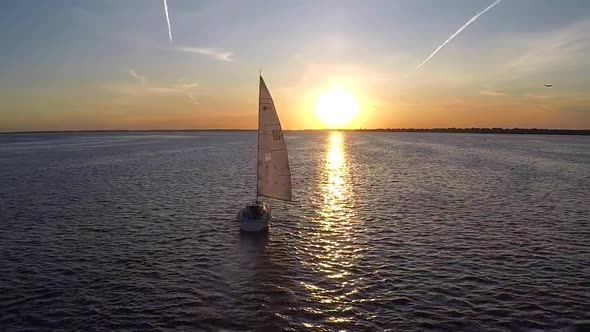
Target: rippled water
395, 231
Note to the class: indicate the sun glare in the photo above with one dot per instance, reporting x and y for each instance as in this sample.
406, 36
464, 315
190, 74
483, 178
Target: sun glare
336, 108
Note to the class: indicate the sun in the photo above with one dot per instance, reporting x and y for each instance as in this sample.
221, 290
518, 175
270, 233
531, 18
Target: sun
337, 107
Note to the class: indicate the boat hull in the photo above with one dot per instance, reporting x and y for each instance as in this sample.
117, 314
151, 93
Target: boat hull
254, 225
259, 223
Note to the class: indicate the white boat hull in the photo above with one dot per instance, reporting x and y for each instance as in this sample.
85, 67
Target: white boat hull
250, 224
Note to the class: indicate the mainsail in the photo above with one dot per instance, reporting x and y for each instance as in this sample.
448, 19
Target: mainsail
274, 175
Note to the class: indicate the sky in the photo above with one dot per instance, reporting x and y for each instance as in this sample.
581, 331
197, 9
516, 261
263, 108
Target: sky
111, 64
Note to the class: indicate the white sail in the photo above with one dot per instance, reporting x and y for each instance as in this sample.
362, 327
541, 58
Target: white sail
274, 175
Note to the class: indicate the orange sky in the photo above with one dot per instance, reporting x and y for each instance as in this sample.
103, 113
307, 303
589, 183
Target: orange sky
92, 65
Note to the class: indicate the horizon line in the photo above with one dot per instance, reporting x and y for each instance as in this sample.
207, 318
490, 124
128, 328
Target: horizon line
398, 129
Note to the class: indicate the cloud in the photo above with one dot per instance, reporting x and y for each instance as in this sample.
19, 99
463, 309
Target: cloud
549, 51
536, 96
187, 85
209, 52
146, 88
162, 89
493, 93
192, 97
168, 20
142, 80
459, 31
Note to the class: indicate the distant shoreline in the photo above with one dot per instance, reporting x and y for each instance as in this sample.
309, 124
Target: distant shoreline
517, 131
513, 131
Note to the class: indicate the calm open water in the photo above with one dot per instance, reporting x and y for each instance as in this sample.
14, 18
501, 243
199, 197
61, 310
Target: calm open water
400, 231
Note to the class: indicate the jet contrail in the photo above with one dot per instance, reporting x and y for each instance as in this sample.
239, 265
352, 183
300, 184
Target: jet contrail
459, 31
168, 20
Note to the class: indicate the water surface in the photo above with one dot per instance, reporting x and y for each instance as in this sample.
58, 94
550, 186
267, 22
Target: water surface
400, 231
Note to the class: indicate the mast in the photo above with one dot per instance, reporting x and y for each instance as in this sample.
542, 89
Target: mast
258, 136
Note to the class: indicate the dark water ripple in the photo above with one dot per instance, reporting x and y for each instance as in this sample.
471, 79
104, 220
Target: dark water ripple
389, 231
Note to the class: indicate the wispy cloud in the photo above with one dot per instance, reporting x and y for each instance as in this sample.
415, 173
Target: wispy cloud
209, 52
188, 90
459, 31
493, 93
161, 89
549, 51
187, 85
535, 96
144, 87
168, 20
142, 80
192, 98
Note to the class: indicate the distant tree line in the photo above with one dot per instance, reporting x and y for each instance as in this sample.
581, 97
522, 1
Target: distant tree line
538, 131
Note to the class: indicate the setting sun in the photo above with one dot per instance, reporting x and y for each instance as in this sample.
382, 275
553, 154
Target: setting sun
336, 107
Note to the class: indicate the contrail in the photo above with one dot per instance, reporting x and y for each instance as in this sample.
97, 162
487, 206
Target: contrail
459, 31
168, 20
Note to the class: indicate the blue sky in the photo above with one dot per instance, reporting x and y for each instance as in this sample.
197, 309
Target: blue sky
110, 64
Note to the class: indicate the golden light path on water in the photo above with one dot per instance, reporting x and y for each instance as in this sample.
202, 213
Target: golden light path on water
333, 246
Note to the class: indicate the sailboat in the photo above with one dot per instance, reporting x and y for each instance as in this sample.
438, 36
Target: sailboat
273, 175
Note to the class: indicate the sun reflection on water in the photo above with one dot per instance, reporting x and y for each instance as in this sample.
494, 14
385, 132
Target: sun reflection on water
336, 191
334, 250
